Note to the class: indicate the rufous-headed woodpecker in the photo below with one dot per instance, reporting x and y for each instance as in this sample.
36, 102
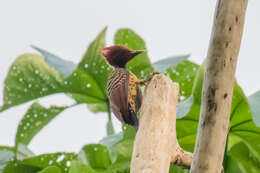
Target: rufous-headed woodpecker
123, 86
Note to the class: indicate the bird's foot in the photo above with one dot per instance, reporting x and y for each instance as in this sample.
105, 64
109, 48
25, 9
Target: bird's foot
149, 78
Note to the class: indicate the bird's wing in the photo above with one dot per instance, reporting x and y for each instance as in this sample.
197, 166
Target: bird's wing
119, 98
138, 98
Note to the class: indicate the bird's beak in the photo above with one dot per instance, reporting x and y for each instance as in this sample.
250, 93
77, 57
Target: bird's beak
137, 52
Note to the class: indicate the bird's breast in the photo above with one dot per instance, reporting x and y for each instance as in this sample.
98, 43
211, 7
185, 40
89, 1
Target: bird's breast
133, 90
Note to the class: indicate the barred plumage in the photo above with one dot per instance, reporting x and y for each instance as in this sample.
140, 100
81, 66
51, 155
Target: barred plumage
124, 95
123, 89
116, 77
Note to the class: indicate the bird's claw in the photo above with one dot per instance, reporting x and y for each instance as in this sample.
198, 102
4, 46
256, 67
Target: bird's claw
149, 78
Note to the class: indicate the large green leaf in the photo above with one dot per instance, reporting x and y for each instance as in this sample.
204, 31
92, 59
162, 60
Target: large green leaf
246, 163
232, 166
94, 64
92, 73
33, 76
29, 78
164, 64
120, 146
34, 120
77, 167
254, 101
18, 167
140, 65
184, 74
60, 160
96, 156
242, 126
122, 166
51, 169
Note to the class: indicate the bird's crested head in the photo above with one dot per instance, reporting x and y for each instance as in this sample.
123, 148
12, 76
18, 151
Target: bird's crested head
118, 56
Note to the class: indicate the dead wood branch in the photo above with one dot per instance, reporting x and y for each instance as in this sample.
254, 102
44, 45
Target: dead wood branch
218, 86
156, 144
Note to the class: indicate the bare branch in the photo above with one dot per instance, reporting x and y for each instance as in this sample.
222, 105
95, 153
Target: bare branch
218, 86
156, 145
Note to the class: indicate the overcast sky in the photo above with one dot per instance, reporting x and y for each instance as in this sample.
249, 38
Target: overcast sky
66, 27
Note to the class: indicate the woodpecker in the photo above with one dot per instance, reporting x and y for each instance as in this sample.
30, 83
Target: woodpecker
123, 87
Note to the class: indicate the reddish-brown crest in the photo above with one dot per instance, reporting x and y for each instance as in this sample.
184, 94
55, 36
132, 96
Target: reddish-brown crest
118, 56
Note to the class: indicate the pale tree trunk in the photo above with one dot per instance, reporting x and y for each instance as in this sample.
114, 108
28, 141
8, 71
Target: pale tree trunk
156, 144
218, 86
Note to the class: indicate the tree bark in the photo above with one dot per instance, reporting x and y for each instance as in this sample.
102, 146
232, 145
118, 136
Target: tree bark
218, 86
155, 143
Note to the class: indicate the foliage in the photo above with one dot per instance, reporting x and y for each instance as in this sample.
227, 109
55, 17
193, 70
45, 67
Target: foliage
33, 76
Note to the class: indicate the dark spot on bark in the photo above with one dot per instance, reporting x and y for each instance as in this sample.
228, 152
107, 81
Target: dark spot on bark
230, 58
230, 29
226, 45
224, 63
236, 19
216, 72
225, 95
203, 166
211, 99
137, 155
209, 119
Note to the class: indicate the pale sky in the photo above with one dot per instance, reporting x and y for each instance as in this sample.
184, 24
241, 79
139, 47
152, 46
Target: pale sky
66, 27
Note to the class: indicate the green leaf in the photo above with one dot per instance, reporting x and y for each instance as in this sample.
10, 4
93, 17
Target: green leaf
122, 166
61, 160
63, 66
97, 156
92, 74
98, 107
177, 169
124, 149
164, 64
94, 65
241, 154
77, 167
6, 155
254, 101
233, 166
184, 74
18, 167
128, 131
120, 146
140, 65
51, 169
36, 118
242, 126
29, 78
110, 141
84, 88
